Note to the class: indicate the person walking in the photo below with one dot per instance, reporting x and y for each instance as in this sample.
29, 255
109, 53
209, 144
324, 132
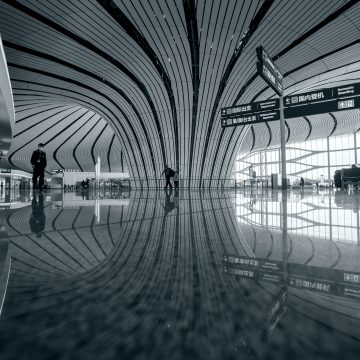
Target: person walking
38, 162
169, 173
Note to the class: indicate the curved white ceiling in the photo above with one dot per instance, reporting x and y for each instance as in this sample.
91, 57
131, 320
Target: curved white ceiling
158, 72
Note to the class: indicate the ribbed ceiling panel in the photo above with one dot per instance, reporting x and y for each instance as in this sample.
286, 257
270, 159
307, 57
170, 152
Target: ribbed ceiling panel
299, 129
347, 122
158, 72
322, 126
275, 133
262, 137
247, 141
117, 157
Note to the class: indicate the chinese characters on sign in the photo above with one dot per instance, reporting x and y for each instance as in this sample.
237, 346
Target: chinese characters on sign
313, 108
346, 104
250, 108
240, 272
298, 99
241, 261
238, 120
251, 119
354, 278
322, 95
236, 110
309, 284
269, 71
253, 262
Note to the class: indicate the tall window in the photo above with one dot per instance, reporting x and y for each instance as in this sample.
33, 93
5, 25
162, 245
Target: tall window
308, 159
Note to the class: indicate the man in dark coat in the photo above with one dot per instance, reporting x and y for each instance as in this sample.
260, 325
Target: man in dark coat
169, 173
38, 162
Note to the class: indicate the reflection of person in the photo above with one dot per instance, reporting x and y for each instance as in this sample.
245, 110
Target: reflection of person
168, 174
37, 218
38, 162
176, 180
176, 198
85, 194
169, 205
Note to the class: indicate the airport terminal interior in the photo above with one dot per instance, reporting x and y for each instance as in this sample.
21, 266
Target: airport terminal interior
179, 179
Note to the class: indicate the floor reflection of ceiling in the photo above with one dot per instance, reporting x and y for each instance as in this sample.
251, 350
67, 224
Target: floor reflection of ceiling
154, 270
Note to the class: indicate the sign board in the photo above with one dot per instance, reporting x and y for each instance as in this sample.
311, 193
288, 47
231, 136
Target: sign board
292, 112
269, 265
296, 269
251, 274
312, 284
251, 118
300, 282
322, 107
349, 291
310, 97
269, 71
322, 95
250, 108
306, 277
275, 312
352, 278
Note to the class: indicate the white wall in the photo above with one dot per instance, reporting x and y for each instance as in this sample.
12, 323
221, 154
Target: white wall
7, 110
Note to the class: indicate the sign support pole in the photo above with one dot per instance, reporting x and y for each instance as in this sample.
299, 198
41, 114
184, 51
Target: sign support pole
283, 149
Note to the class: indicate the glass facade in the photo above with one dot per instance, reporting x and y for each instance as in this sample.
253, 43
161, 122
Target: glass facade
314, 160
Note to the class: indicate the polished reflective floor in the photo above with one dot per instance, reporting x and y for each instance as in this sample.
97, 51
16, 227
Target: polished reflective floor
180, 275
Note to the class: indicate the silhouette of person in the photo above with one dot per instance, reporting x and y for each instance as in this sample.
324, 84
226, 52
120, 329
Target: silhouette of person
302, 182
169, 173
38, 162
37, 218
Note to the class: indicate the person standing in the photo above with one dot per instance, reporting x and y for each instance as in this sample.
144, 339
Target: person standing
302, 182
169, 173
38, 162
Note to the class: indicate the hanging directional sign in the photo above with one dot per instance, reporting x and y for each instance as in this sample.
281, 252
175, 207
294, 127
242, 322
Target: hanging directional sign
247, 118
269, 71
322, 95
